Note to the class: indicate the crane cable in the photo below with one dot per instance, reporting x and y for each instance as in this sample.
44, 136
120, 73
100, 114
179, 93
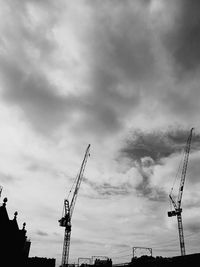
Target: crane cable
72, 186
63, 212
154, 246
176, 177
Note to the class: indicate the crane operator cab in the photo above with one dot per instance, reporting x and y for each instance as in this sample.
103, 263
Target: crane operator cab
174, 212
171, 213
64, 221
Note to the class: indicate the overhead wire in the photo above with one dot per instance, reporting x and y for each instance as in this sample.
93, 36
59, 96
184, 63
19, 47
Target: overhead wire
122, 251
176, 177
123, 256
75, 180
178, 172
158, 245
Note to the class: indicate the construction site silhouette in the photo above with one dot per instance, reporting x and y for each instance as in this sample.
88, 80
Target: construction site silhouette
15, 245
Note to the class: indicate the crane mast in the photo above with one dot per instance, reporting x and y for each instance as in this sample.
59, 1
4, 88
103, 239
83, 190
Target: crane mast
65, 221
177, 205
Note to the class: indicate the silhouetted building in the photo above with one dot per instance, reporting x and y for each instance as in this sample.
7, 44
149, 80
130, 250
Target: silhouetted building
14, 246
104, 263
192, 260
41, 262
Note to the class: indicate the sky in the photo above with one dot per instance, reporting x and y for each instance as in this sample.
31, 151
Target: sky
123, 76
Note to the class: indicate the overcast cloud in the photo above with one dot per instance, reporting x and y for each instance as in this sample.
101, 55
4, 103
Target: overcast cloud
122, 76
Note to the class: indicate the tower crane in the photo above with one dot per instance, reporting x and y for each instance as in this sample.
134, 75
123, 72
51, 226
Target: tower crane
177, 204
65, 221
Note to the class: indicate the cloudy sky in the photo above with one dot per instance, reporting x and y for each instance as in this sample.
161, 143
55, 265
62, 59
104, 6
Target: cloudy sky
123, 76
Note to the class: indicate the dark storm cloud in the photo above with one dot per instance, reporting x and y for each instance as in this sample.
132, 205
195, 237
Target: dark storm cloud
41, 233
119, 57
147, 149
183, 41
145, 189
34, 94
125, 55
193, 172
158, 144
121, 44
24, 83
145, 167
107, 190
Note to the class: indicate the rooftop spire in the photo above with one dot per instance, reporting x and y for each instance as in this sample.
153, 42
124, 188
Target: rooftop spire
24, 224
4, 201
15, 215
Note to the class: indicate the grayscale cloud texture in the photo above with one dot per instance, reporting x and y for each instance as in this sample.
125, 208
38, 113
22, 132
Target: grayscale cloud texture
122, 76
